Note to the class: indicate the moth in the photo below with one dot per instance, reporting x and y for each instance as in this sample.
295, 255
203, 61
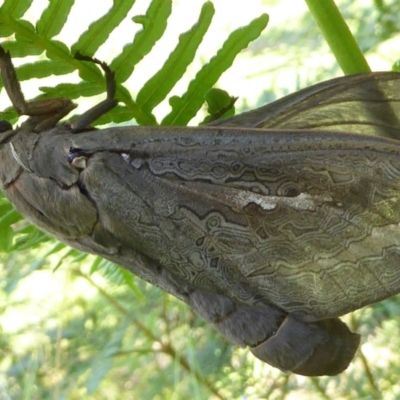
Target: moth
270, 224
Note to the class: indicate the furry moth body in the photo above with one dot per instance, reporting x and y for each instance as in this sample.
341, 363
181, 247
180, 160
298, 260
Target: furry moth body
268, 232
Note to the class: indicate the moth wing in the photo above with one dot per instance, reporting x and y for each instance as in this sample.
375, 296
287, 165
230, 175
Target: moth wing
362, 103
305, 221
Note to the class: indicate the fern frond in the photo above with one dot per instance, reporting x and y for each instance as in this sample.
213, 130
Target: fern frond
99, 31
156, 89
118, 276
15, 9
154, 24
185, 108
53, 18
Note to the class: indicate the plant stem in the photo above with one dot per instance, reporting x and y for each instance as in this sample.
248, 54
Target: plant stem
338, 36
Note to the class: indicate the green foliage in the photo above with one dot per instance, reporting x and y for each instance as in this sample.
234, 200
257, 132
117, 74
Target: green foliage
155, 89
36, 40
220, 104
98, 31
184, 108
343, 46
154, 25
109, 335
53, 18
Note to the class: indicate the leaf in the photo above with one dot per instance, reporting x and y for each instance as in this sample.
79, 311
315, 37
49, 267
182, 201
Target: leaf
99, 31
117, 275
56, 50
73, 90
43, 69
185, 108
154, 24
55, 249
157, 88
217, 99
15, 9
11, 217
5, 206
220, 104
96, 264
129, 280
24, 30
118, 115
54, 18
6, 238
71, 256
29, 237
9, 115
21, 48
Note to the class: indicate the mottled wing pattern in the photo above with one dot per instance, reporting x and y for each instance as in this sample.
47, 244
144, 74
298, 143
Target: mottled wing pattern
305, 221
252, 230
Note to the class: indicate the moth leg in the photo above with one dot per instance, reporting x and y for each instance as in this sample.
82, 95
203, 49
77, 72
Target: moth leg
106, 105
47, 111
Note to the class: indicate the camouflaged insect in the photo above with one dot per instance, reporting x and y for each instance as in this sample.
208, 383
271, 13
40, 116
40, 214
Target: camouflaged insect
270, 224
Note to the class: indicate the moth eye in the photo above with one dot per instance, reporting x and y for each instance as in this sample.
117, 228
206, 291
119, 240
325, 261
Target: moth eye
289, 189
5, 126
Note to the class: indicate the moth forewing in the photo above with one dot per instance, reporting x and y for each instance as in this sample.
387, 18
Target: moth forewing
284, 214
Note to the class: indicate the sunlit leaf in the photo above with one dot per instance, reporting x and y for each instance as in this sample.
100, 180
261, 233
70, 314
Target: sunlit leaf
154, 24
54, 17
185, 108
157, 87
99, 31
